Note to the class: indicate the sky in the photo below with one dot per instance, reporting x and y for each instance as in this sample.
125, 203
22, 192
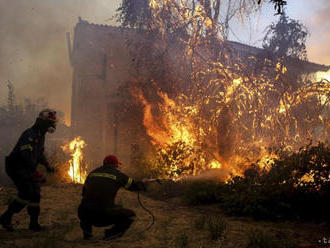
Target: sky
34, 54
315, 15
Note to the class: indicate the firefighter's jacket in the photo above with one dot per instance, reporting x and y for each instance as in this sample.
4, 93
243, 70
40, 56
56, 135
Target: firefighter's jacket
102, 184
22, 162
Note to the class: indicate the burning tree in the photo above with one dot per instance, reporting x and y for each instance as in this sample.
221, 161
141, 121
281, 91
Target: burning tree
204, 105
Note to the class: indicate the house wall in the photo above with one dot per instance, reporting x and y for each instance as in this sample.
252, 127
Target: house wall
101, 64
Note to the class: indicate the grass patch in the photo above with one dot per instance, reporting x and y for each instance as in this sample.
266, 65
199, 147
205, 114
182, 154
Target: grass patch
181, 241
200, 222
262, 239
214, 225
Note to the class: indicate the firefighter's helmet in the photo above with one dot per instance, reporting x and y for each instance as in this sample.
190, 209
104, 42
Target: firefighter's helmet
49, 116
111, 159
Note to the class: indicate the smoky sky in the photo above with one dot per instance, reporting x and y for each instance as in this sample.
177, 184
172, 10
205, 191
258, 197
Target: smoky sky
319, 25
313, 14
33, 46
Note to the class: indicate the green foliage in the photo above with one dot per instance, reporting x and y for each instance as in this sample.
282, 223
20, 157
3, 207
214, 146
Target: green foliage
261, 239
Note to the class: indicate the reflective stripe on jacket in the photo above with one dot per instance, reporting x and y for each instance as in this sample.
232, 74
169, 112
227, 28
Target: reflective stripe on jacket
102, 184
27, 153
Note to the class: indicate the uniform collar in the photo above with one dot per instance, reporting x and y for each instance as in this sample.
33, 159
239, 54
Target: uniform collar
37, 129
111, 166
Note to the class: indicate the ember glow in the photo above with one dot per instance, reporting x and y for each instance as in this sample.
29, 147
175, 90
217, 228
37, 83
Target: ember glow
251, 113
77, 171
231, 112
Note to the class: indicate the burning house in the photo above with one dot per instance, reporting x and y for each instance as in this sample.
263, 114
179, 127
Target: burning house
103, 67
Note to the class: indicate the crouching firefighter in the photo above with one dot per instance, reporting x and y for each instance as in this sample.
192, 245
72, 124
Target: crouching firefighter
21, 167
98, 207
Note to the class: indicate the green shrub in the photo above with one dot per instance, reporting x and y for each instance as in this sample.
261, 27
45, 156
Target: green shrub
200, 192
279, 193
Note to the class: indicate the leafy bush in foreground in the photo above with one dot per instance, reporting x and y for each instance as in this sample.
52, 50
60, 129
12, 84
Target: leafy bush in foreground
297, 186
200, 192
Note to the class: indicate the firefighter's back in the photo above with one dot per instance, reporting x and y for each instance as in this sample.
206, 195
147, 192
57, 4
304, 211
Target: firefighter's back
101, 187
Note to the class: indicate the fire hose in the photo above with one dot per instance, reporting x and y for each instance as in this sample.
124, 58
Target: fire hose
146, 209
149, 212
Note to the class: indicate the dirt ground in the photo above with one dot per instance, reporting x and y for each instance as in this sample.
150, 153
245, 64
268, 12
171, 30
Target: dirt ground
174, 226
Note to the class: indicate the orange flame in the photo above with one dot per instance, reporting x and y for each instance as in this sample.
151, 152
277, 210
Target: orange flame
229, 116
77, 171
172, 128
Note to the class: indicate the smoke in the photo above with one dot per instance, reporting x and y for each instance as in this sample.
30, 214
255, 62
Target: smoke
319, 26
33, 46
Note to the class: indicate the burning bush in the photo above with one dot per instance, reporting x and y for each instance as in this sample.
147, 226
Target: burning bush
297, 185
203, 104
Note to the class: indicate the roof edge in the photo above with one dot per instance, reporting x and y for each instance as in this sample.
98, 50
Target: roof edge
82, 22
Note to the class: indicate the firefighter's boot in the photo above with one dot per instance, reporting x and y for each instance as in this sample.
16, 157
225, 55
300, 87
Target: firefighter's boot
112, 233
6, 217
87, 230
118, 230
34, 212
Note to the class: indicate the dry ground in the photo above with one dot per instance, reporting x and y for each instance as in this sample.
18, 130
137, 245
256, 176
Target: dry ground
174, 221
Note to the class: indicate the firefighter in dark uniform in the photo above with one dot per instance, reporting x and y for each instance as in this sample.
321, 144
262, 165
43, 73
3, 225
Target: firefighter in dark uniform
21, 167
98, 207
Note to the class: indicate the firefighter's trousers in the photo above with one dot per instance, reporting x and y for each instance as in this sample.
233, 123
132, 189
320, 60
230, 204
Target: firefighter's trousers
121, 218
